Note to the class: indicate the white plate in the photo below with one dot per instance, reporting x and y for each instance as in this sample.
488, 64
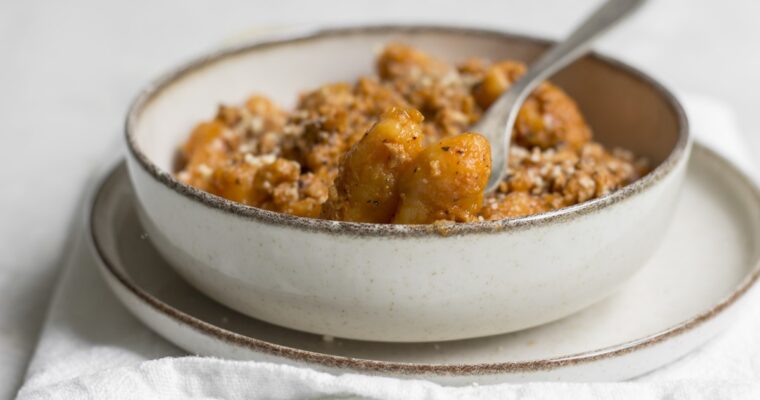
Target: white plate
687, 293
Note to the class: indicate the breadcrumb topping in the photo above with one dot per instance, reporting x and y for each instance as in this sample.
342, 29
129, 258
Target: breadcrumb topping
258, 154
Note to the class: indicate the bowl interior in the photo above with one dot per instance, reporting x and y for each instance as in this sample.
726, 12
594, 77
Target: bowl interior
623, 107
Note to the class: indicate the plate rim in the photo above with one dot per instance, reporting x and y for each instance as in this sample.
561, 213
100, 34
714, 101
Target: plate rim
408, 368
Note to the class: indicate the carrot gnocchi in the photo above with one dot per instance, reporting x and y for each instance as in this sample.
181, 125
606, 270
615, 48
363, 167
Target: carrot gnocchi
394, 147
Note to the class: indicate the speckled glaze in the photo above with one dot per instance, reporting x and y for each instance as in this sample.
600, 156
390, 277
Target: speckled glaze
702, 277
394, 282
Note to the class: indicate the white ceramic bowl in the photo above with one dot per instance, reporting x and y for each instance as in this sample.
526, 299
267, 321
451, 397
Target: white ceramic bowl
396, 282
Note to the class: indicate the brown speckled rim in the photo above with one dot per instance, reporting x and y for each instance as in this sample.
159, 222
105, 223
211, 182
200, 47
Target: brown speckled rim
109, 263
678, 154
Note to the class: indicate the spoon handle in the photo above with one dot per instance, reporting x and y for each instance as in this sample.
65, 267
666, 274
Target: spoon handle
578, 43
503, 112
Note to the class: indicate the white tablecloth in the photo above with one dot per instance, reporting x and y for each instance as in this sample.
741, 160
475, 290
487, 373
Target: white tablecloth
69, 69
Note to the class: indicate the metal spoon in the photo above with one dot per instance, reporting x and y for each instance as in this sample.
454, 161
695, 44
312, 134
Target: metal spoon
497, 122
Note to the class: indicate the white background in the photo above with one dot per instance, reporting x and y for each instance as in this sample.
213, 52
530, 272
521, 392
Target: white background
68, 70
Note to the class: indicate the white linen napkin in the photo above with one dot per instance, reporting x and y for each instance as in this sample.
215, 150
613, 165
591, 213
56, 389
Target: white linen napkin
92, 348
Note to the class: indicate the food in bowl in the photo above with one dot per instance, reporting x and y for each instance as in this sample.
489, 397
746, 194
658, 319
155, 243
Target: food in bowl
394, 148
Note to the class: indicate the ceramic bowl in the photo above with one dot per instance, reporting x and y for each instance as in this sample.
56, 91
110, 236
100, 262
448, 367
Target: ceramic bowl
402, 282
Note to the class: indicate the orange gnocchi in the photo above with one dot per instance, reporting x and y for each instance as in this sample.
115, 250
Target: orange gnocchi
389, 148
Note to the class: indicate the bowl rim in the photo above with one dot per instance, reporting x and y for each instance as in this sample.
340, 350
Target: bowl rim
678, 154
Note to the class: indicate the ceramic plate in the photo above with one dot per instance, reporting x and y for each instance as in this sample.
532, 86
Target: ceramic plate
686, 294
